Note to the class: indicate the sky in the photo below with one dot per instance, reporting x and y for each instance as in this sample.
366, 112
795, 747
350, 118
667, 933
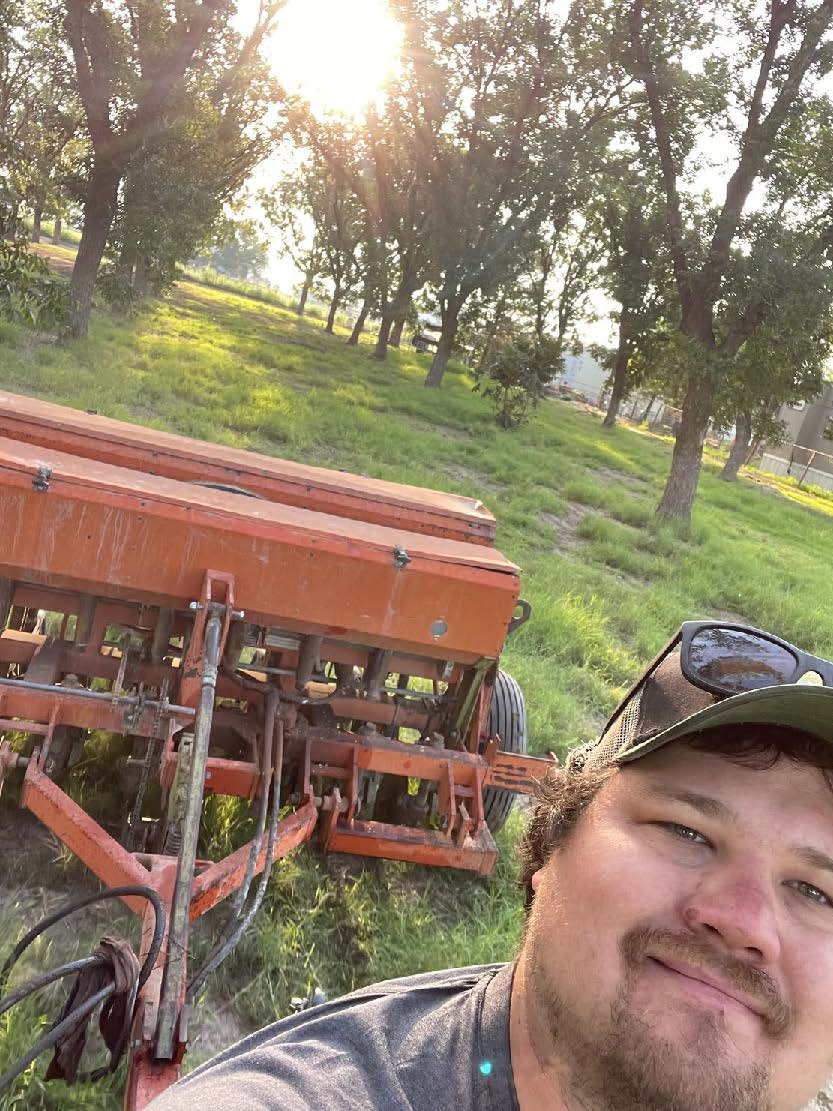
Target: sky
335, 53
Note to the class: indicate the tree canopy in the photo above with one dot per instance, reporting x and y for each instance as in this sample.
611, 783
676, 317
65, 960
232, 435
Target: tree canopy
527, 162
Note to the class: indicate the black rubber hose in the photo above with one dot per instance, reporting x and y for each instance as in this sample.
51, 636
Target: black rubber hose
271, 708
47, 978
227, 942
85, 901
53, 1036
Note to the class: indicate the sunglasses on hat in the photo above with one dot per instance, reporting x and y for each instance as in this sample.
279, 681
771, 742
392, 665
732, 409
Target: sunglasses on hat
729, 659
714, 673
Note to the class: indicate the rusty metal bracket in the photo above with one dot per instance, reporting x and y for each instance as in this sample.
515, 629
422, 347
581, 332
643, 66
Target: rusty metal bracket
40, 482
524, 616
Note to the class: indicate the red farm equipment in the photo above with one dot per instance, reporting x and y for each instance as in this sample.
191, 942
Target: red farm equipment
321, 644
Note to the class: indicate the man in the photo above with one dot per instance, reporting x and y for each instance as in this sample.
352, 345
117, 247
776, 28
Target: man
678, 951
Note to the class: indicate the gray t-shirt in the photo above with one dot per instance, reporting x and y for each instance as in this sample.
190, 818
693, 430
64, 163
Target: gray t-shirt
421, 1043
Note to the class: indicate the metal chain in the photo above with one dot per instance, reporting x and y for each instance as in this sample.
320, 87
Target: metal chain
151, 758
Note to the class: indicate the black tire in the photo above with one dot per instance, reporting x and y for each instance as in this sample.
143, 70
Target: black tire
507, 720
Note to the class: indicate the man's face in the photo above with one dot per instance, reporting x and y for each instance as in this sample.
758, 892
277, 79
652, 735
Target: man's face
679, 952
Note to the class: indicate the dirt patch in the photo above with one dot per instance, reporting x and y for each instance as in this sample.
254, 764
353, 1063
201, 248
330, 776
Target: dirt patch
632, 482
729, 616
27, 849
458, 434
564, 525
476, 480
54, 257
212, 1029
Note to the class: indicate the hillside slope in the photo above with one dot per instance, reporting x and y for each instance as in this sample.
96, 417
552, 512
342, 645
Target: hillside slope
575, 510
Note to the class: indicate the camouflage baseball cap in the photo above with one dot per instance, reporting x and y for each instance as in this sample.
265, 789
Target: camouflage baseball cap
663, 706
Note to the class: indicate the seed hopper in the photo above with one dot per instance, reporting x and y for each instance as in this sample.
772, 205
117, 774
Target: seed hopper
322, 644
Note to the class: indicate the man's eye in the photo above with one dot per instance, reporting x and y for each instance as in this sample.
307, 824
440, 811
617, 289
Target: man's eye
813, 893
685, 833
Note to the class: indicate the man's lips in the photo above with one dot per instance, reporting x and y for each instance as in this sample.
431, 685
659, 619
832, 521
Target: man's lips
718, 979
708, 985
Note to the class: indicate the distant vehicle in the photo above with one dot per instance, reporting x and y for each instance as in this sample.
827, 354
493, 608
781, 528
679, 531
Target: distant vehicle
428, 336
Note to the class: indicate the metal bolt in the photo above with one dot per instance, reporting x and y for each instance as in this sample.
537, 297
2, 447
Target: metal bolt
40, 482
438, 628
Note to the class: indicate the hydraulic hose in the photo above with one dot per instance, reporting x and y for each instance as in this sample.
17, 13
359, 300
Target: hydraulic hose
79, 1013
53, 1036
85, 901
45, 979
239, 925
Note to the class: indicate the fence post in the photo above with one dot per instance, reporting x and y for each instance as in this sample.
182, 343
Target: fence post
809, 465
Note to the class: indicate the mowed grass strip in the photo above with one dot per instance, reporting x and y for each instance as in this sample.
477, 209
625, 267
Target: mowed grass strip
575, 510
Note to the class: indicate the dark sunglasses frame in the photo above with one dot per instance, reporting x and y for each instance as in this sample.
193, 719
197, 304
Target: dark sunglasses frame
804, 662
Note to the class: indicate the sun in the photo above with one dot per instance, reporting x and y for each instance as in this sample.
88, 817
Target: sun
337, 54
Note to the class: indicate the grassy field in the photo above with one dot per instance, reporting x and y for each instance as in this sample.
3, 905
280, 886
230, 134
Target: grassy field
575, 510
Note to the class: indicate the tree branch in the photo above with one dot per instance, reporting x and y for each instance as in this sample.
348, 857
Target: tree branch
646, 73
760, 134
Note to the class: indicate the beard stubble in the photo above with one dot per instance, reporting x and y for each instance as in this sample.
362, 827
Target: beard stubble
626, 1064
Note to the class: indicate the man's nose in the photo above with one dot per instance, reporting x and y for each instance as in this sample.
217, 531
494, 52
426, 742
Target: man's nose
737, 909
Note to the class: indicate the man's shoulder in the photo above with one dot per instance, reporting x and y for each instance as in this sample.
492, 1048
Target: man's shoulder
445, 980
380, 1043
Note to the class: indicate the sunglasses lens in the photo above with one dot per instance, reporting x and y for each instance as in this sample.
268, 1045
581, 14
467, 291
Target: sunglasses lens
738, 661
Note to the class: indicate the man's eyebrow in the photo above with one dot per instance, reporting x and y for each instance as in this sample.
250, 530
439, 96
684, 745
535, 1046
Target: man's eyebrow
713, 808
813, 857
705, 804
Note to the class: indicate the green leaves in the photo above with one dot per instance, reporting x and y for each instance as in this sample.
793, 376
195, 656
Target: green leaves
29, 293
515, 376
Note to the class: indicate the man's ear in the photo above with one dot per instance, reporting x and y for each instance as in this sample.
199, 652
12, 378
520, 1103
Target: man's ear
535, 880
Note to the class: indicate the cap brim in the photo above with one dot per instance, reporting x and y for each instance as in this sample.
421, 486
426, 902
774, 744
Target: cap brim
796, 706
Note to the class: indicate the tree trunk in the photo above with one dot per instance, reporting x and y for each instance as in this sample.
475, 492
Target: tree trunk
331, 316
740, 447
396, 331
619, 388
302, 301
491, 335
647, 410
380, 351
486, 353
450, 319
99, 209
56, 230
37, 217
141, 278
128, 257
358, 327
678, 496
539, 320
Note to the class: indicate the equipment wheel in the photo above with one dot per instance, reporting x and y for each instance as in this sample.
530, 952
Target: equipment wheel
507, 720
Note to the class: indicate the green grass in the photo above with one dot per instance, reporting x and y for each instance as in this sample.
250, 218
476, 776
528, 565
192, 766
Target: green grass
252, 291
47, 229
574, 505
575, 510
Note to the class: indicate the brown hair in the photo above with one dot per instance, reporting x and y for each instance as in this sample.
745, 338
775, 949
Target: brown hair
563, 796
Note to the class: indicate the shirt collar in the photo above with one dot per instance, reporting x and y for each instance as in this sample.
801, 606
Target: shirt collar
494, 1083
